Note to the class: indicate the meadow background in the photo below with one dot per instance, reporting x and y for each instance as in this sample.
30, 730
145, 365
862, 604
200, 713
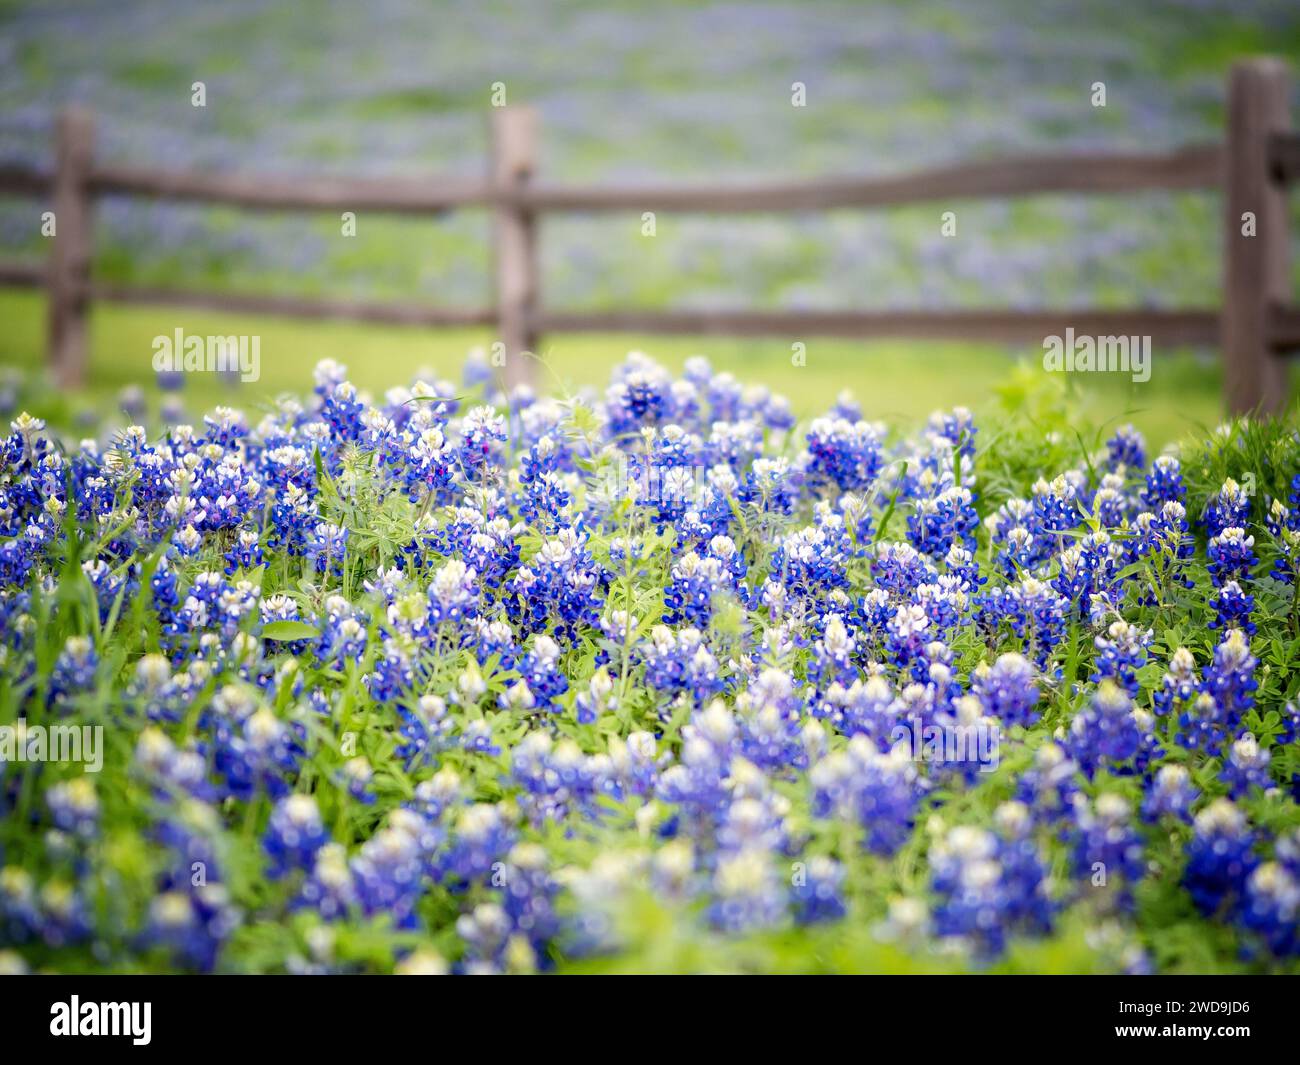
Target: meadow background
673, 91
678, 91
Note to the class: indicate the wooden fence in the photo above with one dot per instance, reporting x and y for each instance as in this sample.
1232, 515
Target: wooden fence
1255, 326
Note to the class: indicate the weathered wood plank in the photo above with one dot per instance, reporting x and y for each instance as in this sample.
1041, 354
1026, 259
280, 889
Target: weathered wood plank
25, 181
514, 160
267, 192
1256, 237
1284, 157
1193, 167
71, 251
19, 274
1191, 326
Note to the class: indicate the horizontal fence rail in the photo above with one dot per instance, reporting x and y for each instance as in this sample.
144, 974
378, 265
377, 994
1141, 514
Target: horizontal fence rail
1256, 323
1196, 167
1165, 327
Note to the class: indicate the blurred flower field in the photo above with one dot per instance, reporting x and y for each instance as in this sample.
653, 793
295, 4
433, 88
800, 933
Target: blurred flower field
664, 678
677, 92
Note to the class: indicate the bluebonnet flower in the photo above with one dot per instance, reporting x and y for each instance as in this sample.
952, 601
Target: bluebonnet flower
1049, 787
326, 548
900, 568
598, 699
1106, 733
1180, 683
632, 766
427, 463
1163, 542
1126, 448
330, 888
833, 655
395, 673
817, 891
1246, 767
768, 486
191, 926
1036, 613
1220, 858
74, 670
807, 565
453, 592
944, 602
956, 427
960, 564
1232, 608
358, 775
20, 916
425, 727
689, 598
1272, 907
294, 514
747, 892
343, 639
154, 690
1105, 846
768, 710
1201, 725
1120, 654
480, 838
108, 585
74, 807
170, 769
679, 661
1021, 552
907, 633
944, 521
386, 876
294, 834
477, 735
254, 750
1283, 526
879, 791
246, 553
560, 589
1228, 691
1171, 794
1110, 505
641, 397
989, 888
64, 914
867, 708
843, 453
1055, 505
1008, 690
528, 898
1164, 484
556, 779
698, 782
540, 677
1229, 508
1231, 554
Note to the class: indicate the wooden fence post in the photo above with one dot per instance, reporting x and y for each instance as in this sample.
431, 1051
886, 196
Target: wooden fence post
1256, 237
514, 156
69, 273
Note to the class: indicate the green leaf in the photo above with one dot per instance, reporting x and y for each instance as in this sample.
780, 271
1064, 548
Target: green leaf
289, 630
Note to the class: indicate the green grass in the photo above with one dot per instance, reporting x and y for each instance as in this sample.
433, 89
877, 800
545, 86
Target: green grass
901, 382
